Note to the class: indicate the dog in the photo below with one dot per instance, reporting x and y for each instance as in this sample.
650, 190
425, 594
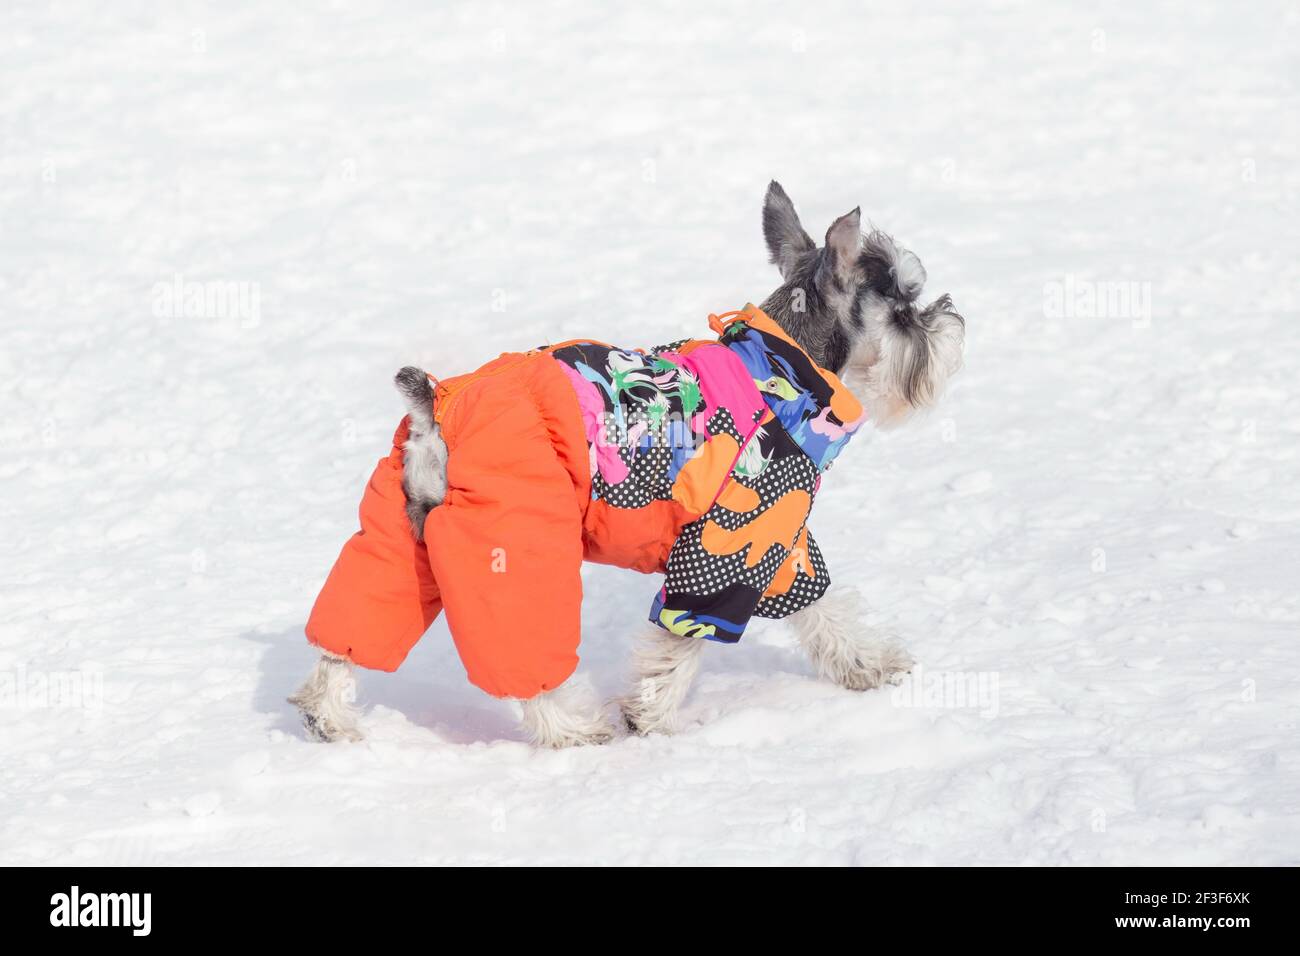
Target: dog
487, 464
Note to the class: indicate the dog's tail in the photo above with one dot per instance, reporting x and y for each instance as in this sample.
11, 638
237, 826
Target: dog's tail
424, 456
413, 383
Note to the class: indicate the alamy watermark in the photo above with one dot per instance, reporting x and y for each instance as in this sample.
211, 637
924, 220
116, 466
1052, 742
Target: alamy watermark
1072, 297
23, 689
217, 299
75, 908
949, 690
651, 427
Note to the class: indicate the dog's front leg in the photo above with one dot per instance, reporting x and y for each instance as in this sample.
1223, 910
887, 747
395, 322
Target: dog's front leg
845, 650
664, 667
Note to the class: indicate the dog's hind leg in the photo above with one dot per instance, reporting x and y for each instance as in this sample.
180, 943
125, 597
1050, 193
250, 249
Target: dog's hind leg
424, 456
843, 649
327, 701
563, 718
664, 665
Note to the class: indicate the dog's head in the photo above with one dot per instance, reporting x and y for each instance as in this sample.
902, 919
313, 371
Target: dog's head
852, 305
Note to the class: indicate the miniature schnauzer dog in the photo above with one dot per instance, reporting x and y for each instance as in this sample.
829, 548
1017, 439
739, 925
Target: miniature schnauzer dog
853, 305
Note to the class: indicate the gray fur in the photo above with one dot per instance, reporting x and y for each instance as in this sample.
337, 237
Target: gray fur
786, 239
424, 456
852, 306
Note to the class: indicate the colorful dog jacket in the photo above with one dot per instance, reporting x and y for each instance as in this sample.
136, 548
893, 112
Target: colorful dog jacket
699, 460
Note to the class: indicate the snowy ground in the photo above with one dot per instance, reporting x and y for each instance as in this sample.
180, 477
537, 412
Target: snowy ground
1099, 533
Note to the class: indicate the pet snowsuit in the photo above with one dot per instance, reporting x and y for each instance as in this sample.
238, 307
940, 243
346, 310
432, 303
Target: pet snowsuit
698, 460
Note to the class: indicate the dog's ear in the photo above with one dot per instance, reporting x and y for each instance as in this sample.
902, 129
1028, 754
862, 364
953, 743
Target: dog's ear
786, 239
843, 243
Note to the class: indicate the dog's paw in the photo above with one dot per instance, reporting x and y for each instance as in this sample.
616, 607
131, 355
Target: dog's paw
587, 734
641, 721
633, 721
556, 722
630, 723
327, 701
899, 666
885, 663
325, 731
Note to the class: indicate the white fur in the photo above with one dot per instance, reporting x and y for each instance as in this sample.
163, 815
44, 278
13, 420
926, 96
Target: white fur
424, 464
843, 649
880, 360
903, 263
564, 717
947, 340
664, 666
871, 377
327, 700
909, 272
906, 353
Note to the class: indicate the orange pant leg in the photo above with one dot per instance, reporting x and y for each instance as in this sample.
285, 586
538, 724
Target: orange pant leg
381, 595
506, 544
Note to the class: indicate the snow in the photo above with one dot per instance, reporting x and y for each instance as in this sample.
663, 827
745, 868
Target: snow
1091, 548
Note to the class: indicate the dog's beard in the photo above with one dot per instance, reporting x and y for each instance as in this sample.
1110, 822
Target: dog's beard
903, 361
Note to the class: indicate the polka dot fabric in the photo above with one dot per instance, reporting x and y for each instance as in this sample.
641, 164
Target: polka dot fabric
723, 564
